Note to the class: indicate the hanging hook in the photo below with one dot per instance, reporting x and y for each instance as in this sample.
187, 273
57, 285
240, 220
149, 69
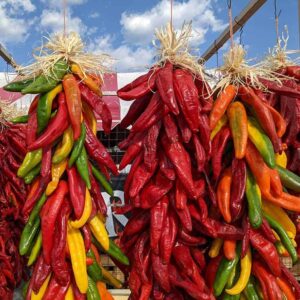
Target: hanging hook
241, 30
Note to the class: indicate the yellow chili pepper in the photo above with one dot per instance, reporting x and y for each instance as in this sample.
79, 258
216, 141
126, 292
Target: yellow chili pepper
215, 248
86, 211
70, 293
246, 263
78, 257
293, 242
281, 159
57, 170
280, 216
65, 146
111, 279
276, 235
223, 121
99, 231
31, 159
281, 249
86, 79
42, 290
90, 116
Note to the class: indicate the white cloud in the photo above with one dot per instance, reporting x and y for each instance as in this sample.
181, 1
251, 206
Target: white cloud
13, 27
138, 28
127, 59
52, 21
94, 15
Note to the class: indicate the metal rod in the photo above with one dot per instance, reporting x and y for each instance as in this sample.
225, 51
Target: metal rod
7, 57
240, 20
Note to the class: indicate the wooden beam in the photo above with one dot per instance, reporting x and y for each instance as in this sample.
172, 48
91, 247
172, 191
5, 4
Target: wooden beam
7, 57
238, 22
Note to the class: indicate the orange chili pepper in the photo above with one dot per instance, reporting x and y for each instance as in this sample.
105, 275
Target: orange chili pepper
96, 253
259, 169
229, 247
73, 99
279, 121
221, 104
286, 201
101, 287
286, 289
276, 186
223, 195
108, 296
237, 116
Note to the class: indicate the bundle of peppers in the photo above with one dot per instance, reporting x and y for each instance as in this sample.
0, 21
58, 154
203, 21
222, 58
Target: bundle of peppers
13, 193
255, 192
168, 188
64, 210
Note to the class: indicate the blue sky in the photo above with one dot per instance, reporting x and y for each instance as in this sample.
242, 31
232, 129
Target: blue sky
125, 29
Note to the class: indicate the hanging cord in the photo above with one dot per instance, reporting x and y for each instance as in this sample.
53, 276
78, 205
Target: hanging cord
65, 17
230, 22
171, 13
276, 17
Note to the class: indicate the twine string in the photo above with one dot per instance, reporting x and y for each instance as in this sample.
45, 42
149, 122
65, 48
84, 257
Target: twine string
230, 22
65, 16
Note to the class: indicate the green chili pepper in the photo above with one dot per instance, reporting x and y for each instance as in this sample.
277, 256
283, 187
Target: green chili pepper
92, 291
25, 288
94, 270
258, 290
18, 86
32, 174
250, 291
31, 160
43, 84
233, 277
262, 142
35, 250
287, 243
20, 119
78, 145
101, 178
36, 210
113, 251
27, 237
289, 179
224, 270
253, 196
44, 107
82, 167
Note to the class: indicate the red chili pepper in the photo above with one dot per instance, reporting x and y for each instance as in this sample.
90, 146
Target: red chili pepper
32, 126
49, 214
55, 290
287, 88
199, 153
18, 143
76, 191
137, 224
97, 195
218, 147
166, 166
164, 84
138, 254
170, 128
134, 283
40, 272
267, 279
73, 99
158, 215
135, 110
238, 187
267, 231
267, 250
180, 195
13, 164
139, 87
161, 272
130, 154
198, 257
187, 97
106, 118
150, 145
280, 123
181, 162
186, 132
263, 114
34, 103
98, 152
58, 262
168, 237
151, 115
186, 239
157, 293
77, 293
246, 238
211, 271
46, 162
205, 97
211, 191
204, 135
56, 126
155, 190
33, 197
